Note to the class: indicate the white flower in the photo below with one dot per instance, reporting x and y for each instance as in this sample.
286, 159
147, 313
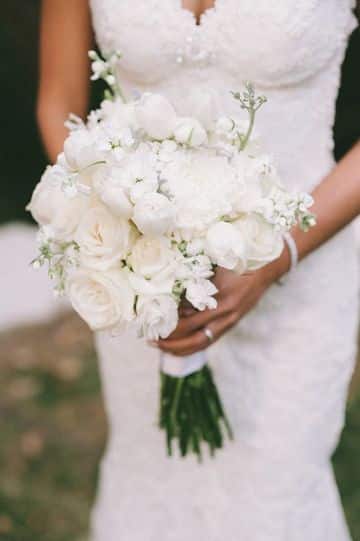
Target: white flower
151, 257
103, 239
200, 294
102, 299
51, 207
263, 243
195, 246
156, 116
157, 316
80, 150
118, 115
189, 131
108, 183
116, 200
153, 214
201, 105
202, 187
225, 246
195, 267
224, 125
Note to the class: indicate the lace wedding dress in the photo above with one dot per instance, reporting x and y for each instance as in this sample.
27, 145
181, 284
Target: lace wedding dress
283, 371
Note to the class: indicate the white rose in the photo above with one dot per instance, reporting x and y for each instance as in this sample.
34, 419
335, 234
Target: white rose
153, 214
80, 150
150, 257
50, 206
189, 131
156, 116
200, 294
225, 246
103, 239
102, 299
157, 316
263, 243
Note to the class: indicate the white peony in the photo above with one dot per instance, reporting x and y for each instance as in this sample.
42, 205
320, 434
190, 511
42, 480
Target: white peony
156, 116
51, 207
226, 247
153, 214
157, 316
189, 131
263, 243
103, 239
102, 299
200, 294
202, 187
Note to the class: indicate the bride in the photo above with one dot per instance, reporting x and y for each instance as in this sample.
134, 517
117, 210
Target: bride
283, 354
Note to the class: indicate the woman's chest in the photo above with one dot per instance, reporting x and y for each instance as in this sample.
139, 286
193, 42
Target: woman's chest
271, 43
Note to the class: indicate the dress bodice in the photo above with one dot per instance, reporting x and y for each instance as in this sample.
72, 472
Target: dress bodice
291, 50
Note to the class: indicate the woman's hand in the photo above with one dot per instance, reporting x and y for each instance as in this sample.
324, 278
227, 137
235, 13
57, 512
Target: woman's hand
236, 296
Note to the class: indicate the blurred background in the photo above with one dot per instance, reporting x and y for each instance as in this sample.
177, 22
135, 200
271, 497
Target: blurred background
52, 423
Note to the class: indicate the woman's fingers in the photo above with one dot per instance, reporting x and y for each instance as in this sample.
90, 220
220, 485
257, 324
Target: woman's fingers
198, 340
188, 325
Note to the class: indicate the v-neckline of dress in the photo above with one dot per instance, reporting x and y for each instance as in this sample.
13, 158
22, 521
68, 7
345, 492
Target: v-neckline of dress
198, 21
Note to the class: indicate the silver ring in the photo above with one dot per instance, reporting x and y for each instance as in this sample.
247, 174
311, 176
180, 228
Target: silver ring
209, 334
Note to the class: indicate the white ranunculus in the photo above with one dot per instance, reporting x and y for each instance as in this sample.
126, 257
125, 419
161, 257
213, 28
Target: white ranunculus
151, 257
200, 294
80, 150
225, 246
103, 239
263, 243
153, 214
189, 131
157, 316
102, 299
51, 207
156, 116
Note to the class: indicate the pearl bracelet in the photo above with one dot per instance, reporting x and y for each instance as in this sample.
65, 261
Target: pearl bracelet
294, 256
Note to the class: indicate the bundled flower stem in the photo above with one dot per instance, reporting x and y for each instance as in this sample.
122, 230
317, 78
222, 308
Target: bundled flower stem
191, 413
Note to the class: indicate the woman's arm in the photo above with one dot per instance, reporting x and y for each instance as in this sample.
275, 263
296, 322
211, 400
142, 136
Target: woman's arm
337, 203
65, 40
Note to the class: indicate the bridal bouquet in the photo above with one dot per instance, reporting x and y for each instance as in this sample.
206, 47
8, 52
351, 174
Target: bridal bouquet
140, 208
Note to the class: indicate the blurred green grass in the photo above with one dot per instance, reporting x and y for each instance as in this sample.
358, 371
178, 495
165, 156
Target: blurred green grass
53, 427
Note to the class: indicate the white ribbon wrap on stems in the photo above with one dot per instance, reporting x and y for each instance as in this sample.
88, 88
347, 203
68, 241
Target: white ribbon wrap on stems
180, 367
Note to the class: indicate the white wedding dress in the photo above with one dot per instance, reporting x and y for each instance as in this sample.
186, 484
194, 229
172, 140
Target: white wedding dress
284, 370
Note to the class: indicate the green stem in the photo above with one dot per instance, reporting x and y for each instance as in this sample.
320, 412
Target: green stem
245, 139
178, 389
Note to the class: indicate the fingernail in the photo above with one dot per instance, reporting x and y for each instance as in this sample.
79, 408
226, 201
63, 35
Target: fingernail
152, 344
